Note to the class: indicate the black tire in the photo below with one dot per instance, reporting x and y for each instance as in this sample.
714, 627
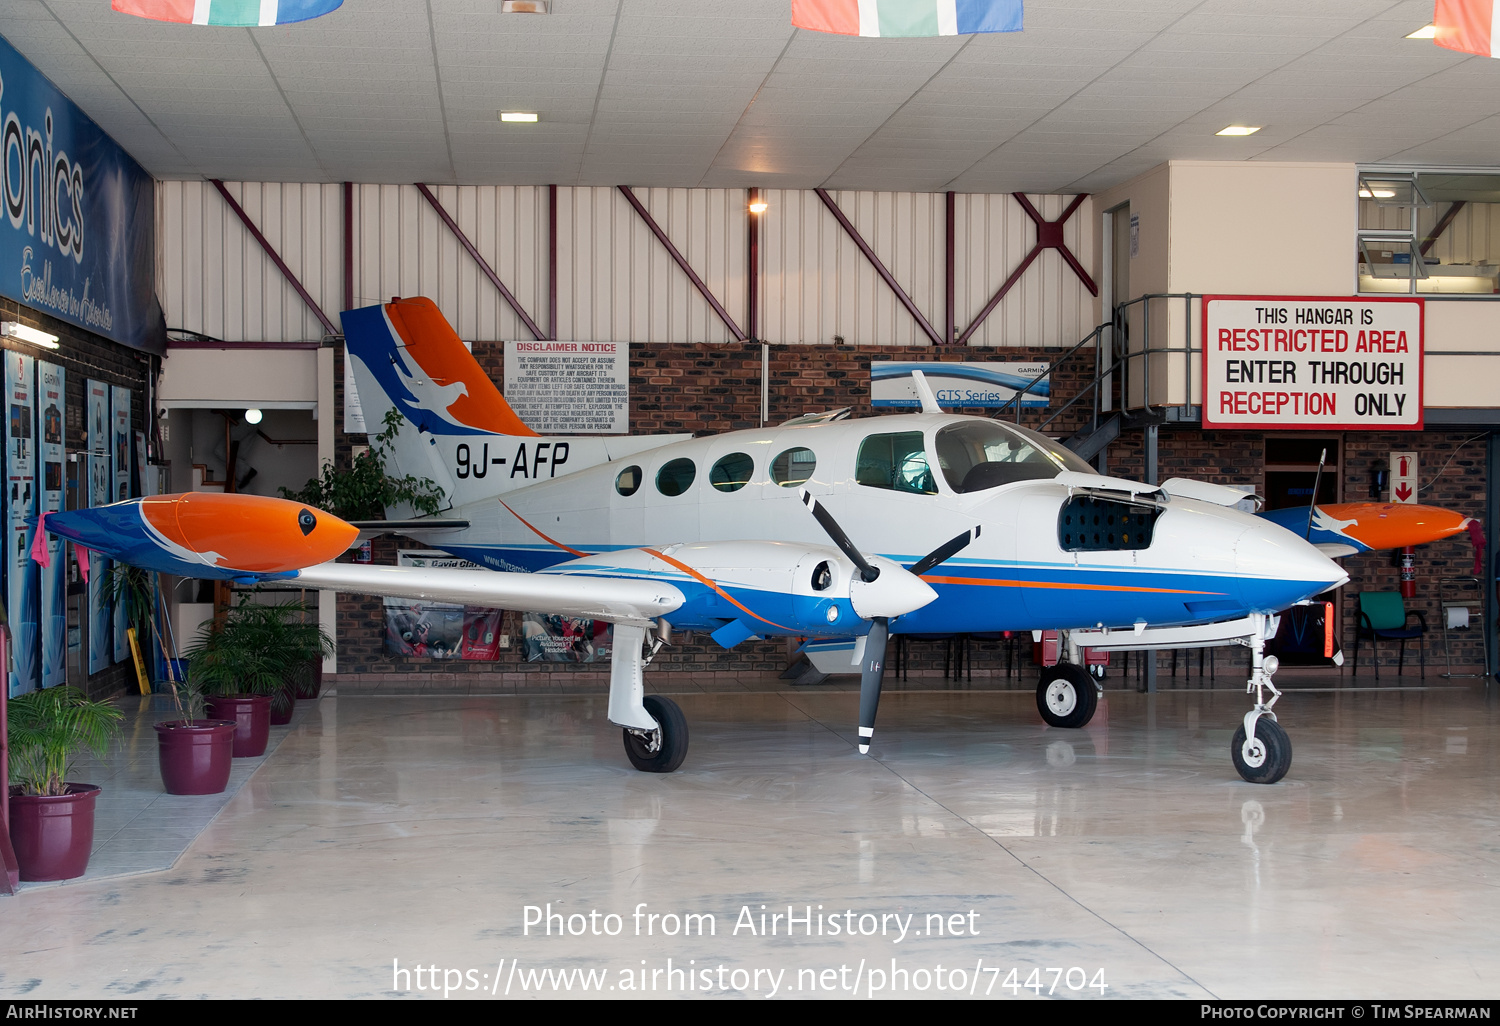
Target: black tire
1067, 695
670, 739
1270, 762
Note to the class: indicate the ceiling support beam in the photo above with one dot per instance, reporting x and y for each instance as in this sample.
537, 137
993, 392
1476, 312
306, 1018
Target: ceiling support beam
880, 268
950, 270
752, 271
270, 251
1442, 225
552, 261
489, 272
348, 245
682, 263
1049, 235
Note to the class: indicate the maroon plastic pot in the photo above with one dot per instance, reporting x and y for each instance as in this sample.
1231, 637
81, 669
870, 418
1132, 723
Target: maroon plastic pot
195, 757
252, 721
283, 716
53, 834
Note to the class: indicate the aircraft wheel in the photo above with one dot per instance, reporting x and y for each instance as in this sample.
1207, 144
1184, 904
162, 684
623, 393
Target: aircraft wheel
1067, 695
663, 749
1266, 759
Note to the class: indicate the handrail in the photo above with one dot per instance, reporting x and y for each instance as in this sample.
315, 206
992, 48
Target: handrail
1119, 361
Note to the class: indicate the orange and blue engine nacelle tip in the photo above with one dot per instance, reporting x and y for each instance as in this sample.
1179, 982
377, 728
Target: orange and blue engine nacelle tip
1366, 526
209, 534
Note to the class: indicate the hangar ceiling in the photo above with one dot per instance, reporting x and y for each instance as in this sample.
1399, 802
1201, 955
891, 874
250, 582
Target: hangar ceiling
725, 93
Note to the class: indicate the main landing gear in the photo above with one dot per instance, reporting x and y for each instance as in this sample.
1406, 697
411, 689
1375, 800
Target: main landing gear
1067, 695
663, 749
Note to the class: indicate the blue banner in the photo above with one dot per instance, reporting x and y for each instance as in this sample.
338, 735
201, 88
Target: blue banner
78, 224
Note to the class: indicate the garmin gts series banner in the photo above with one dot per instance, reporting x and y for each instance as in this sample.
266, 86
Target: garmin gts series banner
1300, 362
21, 505
78, 231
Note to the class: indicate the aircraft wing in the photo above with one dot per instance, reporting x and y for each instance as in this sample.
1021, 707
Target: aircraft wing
617, 600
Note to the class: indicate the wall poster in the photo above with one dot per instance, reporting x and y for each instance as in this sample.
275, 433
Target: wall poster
51, 401
440, 630
119, 468
21, 504
98, 494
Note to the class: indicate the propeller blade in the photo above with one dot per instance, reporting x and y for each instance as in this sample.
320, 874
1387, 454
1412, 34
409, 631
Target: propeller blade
869, 680
944, 552
831, 527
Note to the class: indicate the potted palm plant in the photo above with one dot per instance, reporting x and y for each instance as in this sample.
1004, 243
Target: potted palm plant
52, 818
231, 666
195, 752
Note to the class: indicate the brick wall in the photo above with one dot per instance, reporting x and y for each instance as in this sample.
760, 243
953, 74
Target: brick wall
85, 355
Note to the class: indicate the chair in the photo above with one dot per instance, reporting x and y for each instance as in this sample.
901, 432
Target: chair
1383, 616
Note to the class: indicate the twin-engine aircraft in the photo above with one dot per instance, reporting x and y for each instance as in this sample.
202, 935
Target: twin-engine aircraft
821, 527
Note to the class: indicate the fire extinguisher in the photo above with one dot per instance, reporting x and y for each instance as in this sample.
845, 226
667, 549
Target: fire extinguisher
1408, 573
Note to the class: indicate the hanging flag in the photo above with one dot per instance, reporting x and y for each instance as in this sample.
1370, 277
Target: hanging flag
1465, 25
240, 13
907, 17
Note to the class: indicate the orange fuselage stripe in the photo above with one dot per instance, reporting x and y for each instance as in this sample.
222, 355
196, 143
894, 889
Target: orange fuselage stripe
695, 575
980, 582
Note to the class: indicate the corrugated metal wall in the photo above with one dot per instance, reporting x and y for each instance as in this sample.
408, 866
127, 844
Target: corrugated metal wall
615, 281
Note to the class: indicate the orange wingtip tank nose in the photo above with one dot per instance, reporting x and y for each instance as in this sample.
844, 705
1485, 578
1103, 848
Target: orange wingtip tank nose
1394, 525
254, 533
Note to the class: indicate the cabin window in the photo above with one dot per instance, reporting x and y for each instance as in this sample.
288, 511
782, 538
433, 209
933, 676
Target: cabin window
676, 477
732, 472
982, 454
1089, 524
895, 461
628, 480
793, 467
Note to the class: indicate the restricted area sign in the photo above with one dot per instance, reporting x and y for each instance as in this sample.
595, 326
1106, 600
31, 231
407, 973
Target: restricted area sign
1299, 362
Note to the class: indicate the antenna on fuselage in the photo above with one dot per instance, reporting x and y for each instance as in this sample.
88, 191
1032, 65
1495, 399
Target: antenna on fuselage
924, 393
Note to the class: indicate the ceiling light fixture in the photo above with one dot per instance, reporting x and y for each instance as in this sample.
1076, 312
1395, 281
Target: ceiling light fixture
24, 333
523, 6
1239, 130
527, 116
253, 416
1376, 194
1425, 32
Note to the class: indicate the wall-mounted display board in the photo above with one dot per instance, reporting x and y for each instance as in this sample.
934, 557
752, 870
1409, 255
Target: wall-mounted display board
1311, 362
119, 474
569, 388
960, 384
51, 404
99, 494
21, 505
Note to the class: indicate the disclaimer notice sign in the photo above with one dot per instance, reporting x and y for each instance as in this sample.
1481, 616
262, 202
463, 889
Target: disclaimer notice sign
1295, 362
569, 388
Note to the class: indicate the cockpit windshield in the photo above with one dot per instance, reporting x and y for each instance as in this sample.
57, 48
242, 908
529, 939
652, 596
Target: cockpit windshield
984, 454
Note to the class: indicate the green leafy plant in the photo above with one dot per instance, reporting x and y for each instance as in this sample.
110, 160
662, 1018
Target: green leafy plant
260, 649
364, 490
48, 728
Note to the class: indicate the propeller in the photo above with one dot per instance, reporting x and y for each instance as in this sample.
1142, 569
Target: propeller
872, 670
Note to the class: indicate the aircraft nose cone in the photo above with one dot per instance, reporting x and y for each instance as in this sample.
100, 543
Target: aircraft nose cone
896, 591
1279, 569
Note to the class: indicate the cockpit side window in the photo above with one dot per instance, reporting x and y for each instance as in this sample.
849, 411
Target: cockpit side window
896, 461
984, 454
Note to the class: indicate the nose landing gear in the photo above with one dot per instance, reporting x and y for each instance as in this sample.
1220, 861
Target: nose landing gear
1261, 750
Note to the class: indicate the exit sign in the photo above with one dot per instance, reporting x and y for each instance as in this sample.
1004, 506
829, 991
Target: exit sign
1403, 477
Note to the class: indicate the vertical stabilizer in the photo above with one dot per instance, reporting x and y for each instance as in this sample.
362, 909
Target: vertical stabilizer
457, 429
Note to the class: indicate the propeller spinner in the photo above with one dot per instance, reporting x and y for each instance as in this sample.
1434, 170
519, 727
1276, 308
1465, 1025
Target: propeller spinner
898, 581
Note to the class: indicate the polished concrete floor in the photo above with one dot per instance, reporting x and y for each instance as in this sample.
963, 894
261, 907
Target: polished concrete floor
388, 835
